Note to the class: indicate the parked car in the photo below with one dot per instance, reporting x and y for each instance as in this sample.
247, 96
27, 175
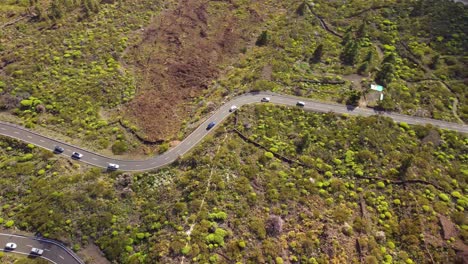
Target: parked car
113, 166
37, 251
76, 155
210, 125
58, 150
233, 108
10, 246
265, 99
300, 103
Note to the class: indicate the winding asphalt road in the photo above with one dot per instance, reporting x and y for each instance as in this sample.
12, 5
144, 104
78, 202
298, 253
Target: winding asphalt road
54, 252
196, 136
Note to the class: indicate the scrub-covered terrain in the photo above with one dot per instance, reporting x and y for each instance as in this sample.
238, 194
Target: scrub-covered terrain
280, 186
271, 184
128, 76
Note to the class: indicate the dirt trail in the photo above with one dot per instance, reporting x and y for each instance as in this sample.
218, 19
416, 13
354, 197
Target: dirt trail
178, 57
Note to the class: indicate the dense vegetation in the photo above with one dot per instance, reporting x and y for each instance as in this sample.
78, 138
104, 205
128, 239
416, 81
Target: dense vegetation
231, 201
272, 185
410, 48
72, 66
64, 73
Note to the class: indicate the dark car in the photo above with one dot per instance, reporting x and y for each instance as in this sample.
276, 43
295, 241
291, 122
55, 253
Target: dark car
76, 155
58, 149
210, 125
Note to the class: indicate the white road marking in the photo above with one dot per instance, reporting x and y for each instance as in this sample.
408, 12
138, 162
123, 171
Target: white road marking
94, 158
2, 128
46, 249
41, 140
61, 257
28, 245
29, 136
166, 158
16, 132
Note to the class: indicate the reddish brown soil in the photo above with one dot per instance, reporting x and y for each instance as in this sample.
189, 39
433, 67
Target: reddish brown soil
448, 227
177, 58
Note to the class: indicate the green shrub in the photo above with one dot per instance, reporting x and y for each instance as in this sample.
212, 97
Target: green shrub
119, 147
404, 125
444, 197
217, 237
241, 244
9, 223
269, 155
26, 157
219, 216
186, 250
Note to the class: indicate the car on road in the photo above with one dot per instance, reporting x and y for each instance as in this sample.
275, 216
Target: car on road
10, 246
37, 251
210, 125
112, 166
58, 150
233, 108
300, 103
265, 99
76, 155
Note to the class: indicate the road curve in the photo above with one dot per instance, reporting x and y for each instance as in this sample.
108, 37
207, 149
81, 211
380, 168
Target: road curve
54, 252
196, 136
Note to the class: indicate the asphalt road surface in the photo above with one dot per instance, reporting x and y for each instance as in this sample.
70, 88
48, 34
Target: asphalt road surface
196, 136
53, 252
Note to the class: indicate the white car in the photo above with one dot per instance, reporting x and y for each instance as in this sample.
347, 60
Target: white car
265, 99
113, 166
76, 155
10, 246
37, 251
233, 108
300, 103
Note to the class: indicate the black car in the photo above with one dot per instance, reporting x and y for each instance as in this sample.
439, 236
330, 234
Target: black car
58, 149
210, 125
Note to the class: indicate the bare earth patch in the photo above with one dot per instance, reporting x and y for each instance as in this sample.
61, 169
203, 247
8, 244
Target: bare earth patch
177, 58
93, 254
448, 227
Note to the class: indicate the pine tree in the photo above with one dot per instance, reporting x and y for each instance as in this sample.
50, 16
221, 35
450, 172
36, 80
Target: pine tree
262, 39
348, 36
318, 53
362, 30
55, 10
386, 74
350, 53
